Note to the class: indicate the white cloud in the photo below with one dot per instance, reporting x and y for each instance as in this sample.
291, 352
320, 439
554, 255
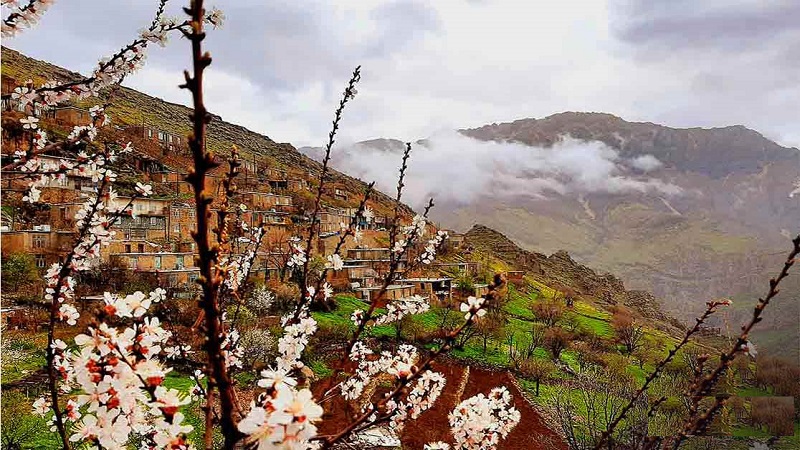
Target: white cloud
646, 163
429, 66
457, 169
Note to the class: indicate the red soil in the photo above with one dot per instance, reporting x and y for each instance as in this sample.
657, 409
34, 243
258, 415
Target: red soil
530, 434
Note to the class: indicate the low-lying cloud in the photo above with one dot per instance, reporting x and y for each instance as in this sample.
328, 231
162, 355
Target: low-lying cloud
458, 169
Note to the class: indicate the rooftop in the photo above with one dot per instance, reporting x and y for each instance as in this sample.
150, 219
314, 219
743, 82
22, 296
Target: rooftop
419, 280
391, 287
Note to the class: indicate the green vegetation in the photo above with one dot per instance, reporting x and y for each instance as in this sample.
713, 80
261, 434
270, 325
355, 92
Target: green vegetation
19, 269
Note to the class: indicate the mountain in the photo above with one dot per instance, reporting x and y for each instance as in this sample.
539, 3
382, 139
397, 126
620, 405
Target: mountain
130, 107
687, 214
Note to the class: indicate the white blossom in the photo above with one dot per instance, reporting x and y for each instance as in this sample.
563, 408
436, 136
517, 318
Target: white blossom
335, 262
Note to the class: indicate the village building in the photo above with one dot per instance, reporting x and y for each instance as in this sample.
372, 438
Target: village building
376, 259
392, 292
439, 288
266, 201
331, 220
47, 246
516, 277
470, 268
173, 270
68, 116
480, 290
169, 142
352, 277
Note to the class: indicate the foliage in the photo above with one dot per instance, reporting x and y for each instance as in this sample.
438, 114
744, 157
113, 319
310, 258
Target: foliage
19, 270
21, 429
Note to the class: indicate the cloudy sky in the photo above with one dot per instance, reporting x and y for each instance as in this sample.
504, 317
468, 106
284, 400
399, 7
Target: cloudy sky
279, 66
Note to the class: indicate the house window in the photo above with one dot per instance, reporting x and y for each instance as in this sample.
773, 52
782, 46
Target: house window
153, 221
39, 241
157, 262
141, 248
127, 248
40, 261
138, 233
176, 213
149, 133
133, 262
179, 262
176, 229
162, 136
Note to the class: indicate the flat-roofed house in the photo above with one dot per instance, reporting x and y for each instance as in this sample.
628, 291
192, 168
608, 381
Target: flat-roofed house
440, 288
392, 292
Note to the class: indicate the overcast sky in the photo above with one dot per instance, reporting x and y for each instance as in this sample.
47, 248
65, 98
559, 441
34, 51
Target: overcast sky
279, 66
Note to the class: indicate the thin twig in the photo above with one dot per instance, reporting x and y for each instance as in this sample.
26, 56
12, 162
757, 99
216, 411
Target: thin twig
208, 252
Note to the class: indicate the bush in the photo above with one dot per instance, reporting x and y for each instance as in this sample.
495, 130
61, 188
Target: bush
286, 295
19, 270
557, 340
775, 414
260, 301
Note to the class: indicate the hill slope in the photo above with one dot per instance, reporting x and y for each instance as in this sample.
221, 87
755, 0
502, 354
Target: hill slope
131, 107
560, 270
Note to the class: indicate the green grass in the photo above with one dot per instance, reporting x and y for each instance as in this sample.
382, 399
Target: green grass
474, 351
320, 369
592, 319
32, 359
751, 391
746, 431
519, 303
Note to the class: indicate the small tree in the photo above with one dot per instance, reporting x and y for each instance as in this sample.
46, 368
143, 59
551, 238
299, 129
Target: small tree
556, 340
629, 333
537, 370
259, 347
464, 282
537, 337
19, 270
549, 311
491, 326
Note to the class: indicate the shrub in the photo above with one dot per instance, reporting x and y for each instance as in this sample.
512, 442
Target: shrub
19, 270
259, 347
